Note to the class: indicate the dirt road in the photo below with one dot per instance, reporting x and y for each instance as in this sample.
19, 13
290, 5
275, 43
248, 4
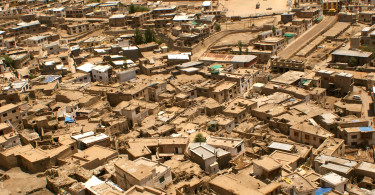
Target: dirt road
366, 99
307, 37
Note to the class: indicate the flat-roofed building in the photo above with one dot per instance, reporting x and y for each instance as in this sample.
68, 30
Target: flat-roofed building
355, 136
238, 61
309, 133
267, 168
94, 157
10, 113
288, 160
232, 145
36, 41
342, 55
324, 164
102, 73
334, 181
117, 20
297, 184
142, 172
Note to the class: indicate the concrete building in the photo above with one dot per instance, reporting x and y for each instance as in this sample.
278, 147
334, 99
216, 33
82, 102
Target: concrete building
102, 73
10, 113
117, 20
146, 147
355, 136
88, 139
325, 164
33, 27
334, 181
142, 172
208, 158
336, 82
267, 168
238, 61
231, 145
309, 133
137, 19
36, 41
365, 17
345, 56
94, 157
78, 28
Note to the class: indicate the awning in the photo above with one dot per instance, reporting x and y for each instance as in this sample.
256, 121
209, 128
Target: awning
289, 35
306, 82
216, 66
68, 120
319, 19
322, 191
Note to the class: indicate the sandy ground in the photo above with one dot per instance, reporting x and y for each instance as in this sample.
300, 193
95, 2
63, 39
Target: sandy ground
234, 38
248, 7
21, 182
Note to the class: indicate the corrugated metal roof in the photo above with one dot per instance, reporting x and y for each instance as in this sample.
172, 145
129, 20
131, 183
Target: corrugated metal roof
86, 67
281, 146
352, 53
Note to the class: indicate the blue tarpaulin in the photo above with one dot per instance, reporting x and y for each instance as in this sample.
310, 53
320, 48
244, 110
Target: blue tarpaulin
365, 129
68, 120
322, 191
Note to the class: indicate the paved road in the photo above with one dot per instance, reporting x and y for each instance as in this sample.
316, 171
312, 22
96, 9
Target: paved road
307, 37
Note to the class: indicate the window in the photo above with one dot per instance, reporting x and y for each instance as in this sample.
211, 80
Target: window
354, 143
296, 134
5, 115
14, 111
307, 137
239, 148
161, 179
354, 136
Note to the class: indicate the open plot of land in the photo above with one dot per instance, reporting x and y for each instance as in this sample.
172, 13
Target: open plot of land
248, 7
22, 183
234, 38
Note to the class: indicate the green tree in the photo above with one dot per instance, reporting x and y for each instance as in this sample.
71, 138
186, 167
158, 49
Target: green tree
138, 37
247, 51
217, 27
8, 61
240, 46
353, 61
131, 9
149, 36
369, 49
273, 30
111, 63
199, 138
296, 3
